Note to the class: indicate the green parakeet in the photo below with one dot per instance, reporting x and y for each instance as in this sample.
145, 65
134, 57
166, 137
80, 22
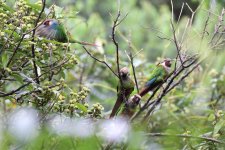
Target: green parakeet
128, 108
157, 76
128, 87
52, 29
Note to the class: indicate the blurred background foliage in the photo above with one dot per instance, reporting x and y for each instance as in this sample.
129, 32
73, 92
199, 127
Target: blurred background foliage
87, 88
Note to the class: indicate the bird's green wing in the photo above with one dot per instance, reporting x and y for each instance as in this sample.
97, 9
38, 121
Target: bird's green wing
156, 75
61, 34
128, 86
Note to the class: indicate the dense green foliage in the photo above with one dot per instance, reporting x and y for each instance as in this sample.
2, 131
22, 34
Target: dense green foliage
64, 85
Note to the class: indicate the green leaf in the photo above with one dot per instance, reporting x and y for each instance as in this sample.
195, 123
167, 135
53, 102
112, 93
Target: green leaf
18, 77
5, 58
218, 126
7, 8
211, 117
16, 35
34, 6
81, 107
63, 74
58, 11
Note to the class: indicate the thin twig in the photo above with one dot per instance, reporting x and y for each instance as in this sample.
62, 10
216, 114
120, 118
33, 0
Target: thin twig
164, 38
183, 77
178, 48
164, 91
217, 27
186, 136
15, 51
175, 73
205, 26
172, 11
131, 58
181, 11
3, 94
193, 12
134, 72
32, 46
83, 68
101, 61
145, 106
115, 23
16, 90
3, 45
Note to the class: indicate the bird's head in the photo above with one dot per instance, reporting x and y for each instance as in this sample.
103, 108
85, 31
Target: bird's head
133, 101
47, 27
167, 63
51, 29
50, 23
124, 73
136, 99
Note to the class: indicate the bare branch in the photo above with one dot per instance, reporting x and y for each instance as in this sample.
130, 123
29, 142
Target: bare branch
101, 61
15, 51
178, 47
174, 74
184, 76
164, 91
181, 11
164, 38
131, 58
205, 26
83, 68
186, 136
3, 45
32, 46
115, 22
217, 27
14, 91
172, 11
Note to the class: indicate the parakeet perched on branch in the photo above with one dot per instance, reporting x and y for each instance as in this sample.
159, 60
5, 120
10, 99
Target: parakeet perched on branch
130, 107
123, 93
52, 29
157, 76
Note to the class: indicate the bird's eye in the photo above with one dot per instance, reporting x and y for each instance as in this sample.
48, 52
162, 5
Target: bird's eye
47, 23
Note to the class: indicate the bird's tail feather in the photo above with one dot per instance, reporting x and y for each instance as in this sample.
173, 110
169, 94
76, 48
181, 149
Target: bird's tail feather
82, 42
146, 89
116, 107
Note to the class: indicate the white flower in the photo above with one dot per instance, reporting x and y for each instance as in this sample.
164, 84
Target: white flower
114, 129
63, 125
27, 36
23, 124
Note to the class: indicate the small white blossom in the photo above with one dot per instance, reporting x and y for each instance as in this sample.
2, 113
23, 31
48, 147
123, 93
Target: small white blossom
63, 125
114, 129
23, 124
